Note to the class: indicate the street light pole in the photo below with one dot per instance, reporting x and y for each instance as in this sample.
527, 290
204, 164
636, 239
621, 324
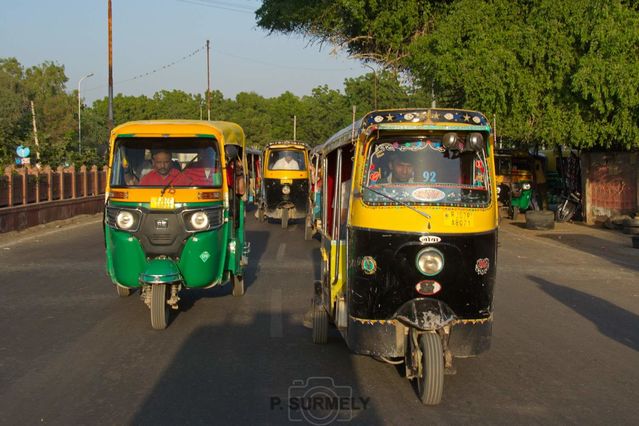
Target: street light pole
80, 113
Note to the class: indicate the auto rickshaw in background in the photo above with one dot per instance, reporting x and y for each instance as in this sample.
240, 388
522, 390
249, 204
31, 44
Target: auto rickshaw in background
409, 240
503, 181
313, 215
174, 217
522, 194
254, 173
285, 182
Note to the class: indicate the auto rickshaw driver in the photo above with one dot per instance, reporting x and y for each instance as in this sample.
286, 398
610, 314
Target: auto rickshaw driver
401, 168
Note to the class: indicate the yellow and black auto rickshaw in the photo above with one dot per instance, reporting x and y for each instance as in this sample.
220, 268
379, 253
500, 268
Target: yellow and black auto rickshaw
409, 240
174, 216
285, 182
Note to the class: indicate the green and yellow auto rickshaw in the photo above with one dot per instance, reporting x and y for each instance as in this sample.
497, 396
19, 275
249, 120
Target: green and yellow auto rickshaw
174, 215
409, 240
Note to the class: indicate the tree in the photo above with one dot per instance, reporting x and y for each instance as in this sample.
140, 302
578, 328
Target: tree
552, 72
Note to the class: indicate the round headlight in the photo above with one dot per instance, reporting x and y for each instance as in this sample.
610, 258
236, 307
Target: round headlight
526, 186
498, 190
199, 220
286, 190
430, 261
125, 220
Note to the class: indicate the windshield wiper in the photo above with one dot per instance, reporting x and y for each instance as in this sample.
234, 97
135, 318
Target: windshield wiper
426, 215
174, 177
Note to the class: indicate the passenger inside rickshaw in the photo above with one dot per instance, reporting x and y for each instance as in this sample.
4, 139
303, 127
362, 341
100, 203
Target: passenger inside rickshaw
286, 160
343, 189
422, 170
145, 162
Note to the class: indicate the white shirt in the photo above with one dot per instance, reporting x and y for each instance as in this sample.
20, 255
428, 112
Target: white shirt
282, 164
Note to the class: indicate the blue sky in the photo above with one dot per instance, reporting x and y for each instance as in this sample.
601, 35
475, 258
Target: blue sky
149, 34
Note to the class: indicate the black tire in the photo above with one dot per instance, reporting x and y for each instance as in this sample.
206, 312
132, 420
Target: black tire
308, 231
159, 308
238, 285
320, 324
123, 291
511, 212
430, 386
631, 230
284, 218
540, 220
565, 211
260, 214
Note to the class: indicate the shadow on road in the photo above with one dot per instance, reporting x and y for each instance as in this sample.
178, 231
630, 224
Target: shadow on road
611, 320
606, 249
238, 373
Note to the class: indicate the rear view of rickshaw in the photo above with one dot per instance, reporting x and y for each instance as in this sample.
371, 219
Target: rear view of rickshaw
285, 182
409, 240
174, 217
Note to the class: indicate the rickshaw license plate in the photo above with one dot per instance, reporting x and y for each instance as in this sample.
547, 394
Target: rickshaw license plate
162, 203
458, 218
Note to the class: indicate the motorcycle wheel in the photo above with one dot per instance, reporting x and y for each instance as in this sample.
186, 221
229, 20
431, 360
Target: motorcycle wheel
566, 211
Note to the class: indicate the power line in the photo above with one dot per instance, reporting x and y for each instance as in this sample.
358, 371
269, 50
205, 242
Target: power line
271, 64
220, 5
146, 74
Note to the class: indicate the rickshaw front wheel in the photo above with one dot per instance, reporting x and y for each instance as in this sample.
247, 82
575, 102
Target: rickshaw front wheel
320, 323
238, 285
123, 291
284, 218
159, 307
430, 384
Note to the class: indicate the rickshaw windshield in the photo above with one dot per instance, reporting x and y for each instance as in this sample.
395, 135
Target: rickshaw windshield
421, 171
286, 159
157, 162
503, 164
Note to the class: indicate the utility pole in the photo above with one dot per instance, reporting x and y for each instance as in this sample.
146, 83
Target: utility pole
35, 132
80, 113
294, 127
433, 103
208, 79
110, 117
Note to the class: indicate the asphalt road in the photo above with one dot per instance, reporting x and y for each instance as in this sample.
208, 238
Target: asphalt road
565, 346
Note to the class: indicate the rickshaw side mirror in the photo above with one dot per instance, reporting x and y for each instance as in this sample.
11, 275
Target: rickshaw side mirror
475, 141
449, 140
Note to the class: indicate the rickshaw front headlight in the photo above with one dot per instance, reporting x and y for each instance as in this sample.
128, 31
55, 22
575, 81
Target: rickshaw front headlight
199, 220
430, 261
525, 186
498, 190
125, 220
286, 190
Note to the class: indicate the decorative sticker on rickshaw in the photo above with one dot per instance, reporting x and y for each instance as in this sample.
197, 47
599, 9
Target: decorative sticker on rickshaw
458, 218
368, 265
482, 265
164, 203
205, 256
429, 195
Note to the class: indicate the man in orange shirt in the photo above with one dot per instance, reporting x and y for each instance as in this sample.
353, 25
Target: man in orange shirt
163, 172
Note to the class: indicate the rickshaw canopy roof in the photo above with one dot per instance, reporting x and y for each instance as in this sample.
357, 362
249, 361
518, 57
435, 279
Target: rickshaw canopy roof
407, 119
287, 144
226, 132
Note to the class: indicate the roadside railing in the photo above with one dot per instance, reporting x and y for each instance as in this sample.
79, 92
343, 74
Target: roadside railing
31, 196
30, 185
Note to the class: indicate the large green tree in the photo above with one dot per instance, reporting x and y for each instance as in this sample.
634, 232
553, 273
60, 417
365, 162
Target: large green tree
551, 72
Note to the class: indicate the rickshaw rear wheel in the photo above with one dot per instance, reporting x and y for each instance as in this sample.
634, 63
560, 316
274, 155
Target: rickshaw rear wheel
320, 324
430, 385
238, 285
123, 291
284, 218
159, 307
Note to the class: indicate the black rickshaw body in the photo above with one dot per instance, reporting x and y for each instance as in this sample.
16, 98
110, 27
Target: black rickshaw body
285, 184
409, 254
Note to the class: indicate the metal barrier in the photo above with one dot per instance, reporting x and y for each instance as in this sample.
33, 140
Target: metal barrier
30, 196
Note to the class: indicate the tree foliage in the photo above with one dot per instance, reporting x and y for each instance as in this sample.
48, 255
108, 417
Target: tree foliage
551, 72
